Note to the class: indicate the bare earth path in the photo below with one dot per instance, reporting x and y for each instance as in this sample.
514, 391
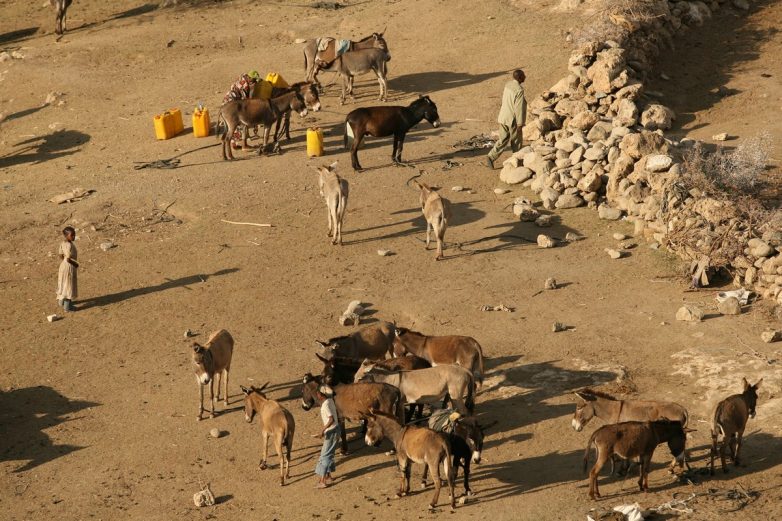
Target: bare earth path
97, 411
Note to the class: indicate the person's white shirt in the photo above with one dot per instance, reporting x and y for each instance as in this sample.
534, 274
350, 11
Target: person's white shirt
328, 409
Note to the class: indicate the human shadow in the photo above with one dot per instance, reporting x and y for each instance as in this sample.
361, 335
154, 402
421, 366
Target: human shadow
44, 148
707, 59
17, 35
24, 416
434, 81
114, 298
136, 11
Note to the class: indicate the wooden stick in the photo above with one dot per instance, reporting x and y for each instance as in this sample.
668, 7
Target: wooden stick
248, 224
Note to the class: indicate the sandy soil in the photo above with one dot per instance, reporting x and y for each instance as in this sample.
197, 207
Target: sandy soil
97, 411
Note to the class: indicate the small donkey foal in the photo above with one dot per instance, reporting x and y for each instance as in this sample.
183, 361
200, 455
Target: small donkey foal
334, 190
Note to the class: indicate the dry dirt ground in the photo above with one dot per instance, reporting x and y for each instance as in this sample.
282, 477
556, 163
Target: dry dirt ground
97, 411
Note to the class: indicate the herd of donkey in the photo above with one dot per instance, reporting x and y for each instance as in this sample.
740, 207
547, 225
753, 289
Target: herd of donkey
383, 375
378, 371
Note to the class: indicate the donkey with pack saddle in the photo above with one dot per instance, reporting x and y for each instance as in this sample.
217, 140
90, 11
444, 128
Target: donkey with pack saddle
326, 50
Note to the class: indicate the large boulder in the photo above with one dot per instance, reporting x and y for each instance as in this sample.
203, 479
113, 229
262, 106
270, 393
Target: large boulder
514, 176
607, 67
609, 214
583, 120
637, 145
658, 163
549, 197
566, 201
590, 182
759, 248
626, 113
569, 107
657, 116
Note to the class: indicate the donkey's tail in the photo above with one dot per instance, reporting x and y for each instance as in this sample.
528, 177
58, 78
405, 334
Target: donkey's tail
470, 401
586, 451
448, 467
481, 367
345, 135
219, 123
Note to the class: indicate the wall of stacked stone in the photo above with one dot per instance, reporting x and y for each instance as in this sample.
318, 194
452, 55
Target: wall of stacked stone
597, 138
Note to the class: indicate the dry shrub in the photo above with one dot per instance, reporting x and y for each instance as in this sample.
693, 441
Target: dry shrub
617, 19
728, 173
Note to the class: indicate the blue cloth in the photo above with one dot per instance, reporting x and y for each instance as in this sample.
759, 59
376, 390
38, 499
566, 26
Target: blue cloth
326, 461
342, 47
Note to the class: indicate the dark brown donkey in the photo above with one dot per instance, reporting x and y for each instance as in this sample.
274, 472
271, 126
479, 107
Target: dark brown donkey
374, 341
463, 351
388, 121
353, 401
252, 111
413, 444
465, 435
284, 123
276, 421
730, 420
630, 440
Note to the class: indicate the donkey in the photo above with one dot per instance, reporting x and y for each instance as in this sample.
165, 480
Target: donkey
276, 421
730, 420
210, 360
283, 125
354, 401
465, 435
62, 9
611, 410
374, 342
387, 121
413, 444
432, 385
356, 63
338, 369
252, 111
437, 211
334, 190
631, 440
463, 351
325, 51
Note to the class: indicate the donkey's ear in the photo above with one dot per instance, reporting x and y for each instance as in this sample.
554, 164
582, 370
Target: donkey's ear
372, 411
245, 390
197, 347
333, 166
745, 383
584, 396
308, 378
264, 386
757, 384
488, 426
322, 359
321, 343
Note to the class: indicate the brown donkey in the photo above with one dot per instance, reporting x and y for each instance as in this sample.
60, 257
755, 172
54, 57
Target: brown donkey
631, 440
464, 351
730, 420
276, 421
374, 342
413, 444
210, 360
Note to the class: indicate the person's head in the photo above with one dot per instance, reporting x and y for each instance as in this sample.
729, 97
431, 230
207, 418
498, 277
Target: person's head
254, 76
519, 75
69, 233
325, 392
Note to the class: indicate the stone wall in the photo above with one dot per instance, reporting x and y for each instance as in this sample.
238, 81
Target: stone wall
597, 138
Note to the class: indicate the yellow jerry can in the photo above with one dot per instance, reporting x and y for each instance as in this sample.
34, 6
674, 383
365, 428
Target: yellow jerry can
314, 142
276, 80
164, 126
177, 117
262, 90
201, 122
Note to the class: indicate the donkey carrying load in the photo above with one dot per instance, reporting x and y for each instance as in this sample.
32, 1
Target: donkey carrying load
326, 50
357, 63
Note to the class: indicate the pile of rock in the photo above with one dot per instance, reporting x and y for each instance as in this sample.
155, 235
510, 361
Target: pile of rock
597, 139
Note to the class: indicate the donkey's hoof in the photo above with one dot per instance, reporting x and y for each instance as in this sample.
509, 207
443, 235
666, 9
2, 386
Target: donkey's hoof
263, 466
199, 418
423, 485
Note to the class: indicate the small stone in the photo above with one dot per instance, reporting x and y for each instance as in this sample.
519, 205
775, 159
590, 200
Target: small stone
771, 336
620, 236
551, 283
16, 55
501, 191
658, 163
729, 306
558, 327
5, 56
614, 254
53, 318
689, 313
544, 221
385, 253
608, 213
722, 136
573, 237
106, 246
457, 188
525, 212
544, 241
215, 433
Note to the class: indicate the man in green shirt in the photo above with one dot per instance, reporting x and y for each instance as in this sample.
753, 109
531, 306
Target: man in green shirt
512, 115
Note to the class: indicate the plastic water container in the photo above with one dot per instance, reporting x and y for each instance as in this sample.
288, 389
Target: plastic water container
201, 122
277, 81
164, 126
177, 117
263, 90
314, 142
